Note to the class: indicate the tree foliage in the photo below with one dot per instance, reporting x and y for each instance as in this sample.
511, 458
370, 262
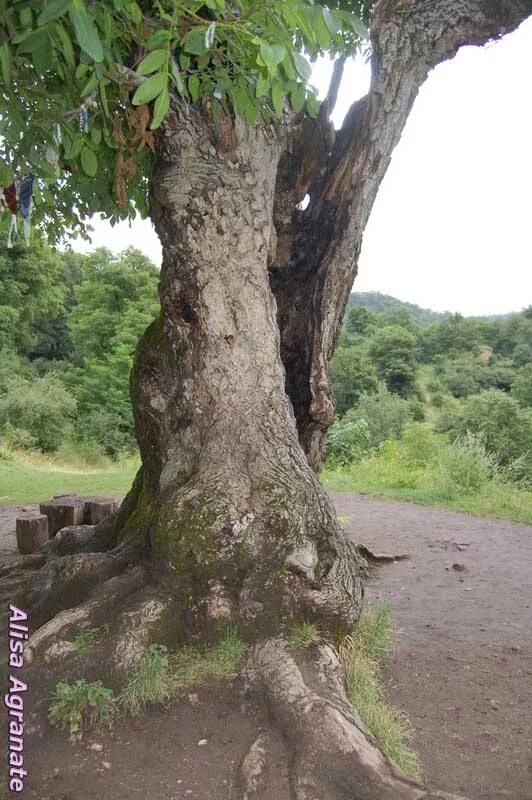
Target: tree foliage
393, 349
352, 374
84, 85
70, 327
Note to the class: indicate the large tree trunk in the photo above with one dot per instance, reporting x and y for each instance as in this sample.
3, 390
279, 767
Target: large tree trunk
227, 520
236, 509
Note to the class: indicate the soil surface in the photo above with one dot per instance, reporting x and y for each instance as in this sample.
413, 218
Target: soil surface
462, 601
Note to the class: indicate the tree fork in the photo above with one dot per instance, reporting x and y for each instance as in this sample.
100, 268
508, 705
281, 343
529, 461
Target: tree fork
312, 282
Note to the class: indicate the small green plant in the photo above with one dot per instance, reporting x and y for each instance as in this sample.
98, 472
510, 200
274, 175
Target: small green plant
78, 707
88, 637
149, 684
222, 661
363, 654
303, 635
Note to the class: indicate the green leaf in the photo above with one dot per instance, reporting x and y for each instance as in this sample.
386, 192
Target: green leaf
89, 162
90, 86
96, 135
272, 55
103, 98
26, 17
162, 104
158, 39
194, 41
177, 77
313, 105
150, 89
332, 21
194, 88
5, 63
302, 66
87, 34
66, 45
153, 62
73, 148
81, 71
135, 12
277, 100
52, 11
298, 97
356, 24
262, 89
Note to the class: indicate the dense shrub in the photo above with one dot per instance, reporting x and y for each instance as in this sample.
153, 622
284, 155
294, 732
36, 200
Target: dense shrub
522, 386
463, 467
43, 409
352, 374
393, 350
348, 442
386, 414
504, 427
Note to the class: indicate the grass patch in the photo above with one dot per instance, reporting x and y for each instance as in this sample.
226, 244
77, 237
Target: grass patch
80, 706
424, 467
149, 684
303, 635
34, 479
364, 654
88, 637
191, 667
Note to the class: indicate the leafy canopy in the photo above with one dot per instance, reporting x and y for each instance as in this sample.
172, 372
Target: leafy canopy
84, 85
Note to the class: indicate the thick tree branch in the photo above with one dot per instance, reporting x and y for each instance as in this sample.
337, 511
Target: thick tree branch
409, 38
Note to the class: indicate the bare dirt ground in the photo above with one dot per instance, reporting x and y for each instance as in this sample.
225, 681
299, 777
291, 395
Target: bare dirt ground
463, 673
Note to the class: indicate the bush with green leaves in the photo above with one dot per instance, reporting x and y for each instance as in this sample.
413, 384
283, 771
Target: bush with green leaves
464, 467
348, 441
80, 706
386, 415
522, 386
42, 408
393, 349
504, 427
352, 374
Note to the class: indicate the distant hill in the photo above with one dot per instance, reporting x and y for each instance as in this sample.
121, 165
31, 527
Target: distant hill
377, 302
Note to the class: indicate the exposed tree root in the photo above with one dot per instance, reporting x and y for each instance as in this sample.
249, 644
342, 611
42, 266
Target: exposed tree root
331, 755
97, 611
380, 558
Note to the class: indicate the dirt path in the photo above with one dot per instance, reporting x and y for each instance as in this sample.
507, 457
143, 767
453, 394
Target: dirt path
463, 673
464, 666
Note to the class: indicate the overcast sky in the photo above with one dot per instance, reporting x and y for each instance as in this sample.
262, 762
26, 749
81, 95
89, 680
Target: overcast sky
451, 228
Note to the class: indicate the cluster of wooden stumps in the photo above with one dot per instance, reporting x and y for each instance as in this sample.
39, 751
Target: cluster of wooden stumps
35, 528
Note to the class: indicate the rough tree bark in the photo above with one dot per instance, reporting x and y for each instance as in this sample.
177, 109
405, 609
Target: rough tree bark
227, 521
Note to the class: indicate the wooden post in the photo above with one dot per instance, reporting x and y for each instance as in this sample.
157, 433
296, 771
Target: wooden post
98, 508
32, 532
63, 512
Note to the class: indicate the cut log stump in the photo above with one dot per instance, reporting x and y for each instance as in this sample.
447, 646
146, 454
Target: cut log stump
32, 532
98, 508
63, 512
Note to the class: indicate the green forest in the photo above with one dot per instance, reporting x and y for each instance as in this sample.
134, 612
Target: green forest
69, 324
435, 411
431, 407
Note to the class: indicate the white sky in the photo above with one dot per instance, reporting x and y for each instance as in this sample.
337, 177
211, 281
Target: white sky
451, 228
